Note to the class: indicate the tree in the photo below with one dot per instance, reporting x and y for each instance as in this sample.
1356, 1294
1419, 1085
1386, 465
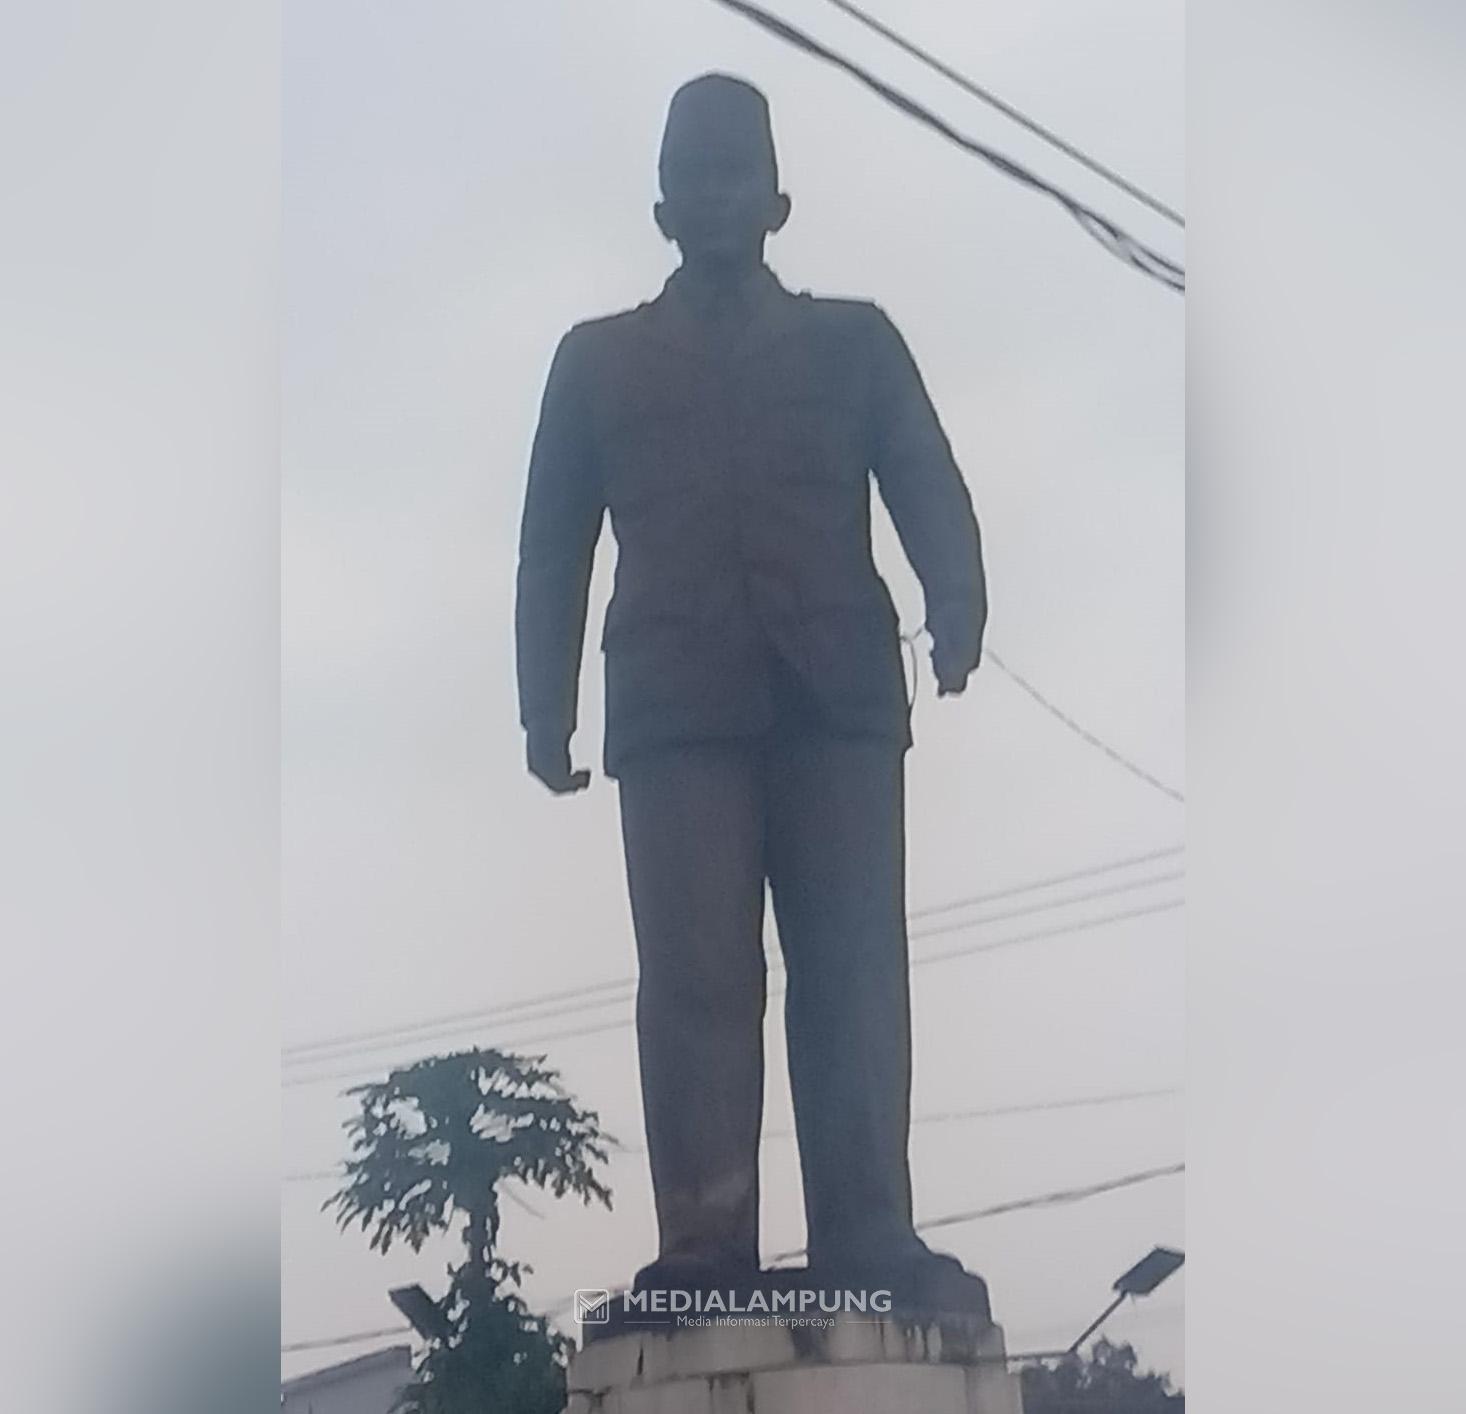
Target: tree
435, 1141
1105, 1383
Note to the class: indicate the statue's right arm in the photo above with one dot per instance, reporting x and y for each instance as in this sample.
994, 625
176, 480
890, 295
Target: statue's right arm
563, 507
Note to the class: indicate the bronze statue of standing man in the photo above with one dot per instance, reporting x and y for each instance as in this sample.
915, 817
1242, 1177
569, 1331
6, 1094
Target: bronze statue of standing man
756, 716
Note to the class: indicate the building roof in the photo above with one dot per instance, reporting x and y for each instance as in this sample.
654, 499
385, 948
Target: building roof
348, 1369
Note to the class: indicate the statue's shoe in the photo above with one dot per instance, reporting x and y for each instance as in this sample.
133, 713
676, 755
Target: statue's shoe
917, 1278
938, 1282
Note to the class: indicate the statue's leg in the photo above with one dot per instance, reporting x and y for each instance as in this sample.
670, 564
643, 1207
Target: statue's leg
836, 855
693, 823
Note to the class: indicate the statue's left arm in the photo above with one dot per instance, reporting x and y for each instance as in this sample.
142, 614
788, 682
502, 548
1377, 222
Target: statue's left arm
930, 506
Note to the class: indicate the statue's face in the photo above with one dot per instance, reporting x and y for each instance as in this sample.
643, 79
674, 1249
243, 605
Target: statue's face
718, 204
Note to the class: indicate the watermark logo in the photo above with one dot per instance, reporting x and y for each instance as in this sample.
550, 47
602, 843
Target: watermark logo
802, 1306
593, 1306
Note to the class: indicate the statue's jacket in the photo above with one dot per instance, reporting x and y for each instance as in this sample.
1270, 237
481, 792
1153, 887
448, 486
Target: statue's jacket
735, 469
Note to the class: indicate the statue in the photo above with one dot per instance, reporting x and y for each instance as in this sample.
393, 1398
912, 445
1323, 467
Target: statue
756, 712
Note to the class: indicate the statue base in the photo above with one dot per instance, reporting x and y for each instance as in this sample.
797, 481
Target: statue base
873, 1364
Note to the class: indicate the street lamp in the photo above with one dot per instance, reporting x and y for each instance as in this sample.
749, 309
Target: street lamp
1143, 1278
423, 1313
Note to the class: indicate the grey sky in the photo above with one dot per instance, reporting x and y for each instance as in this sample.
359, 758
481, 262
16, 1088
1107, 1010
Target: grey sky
463, 181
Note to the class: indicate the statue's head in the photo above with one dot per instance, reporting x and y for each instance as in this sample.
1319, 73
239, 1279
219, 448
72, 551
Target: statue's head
719, 176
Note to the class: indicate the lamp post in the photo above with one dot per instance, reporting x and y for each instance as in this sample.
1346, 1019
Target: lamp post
1143, 1278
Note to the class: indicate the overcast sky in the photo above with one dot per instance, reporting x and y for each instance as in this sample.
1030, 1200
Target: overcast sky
463, 182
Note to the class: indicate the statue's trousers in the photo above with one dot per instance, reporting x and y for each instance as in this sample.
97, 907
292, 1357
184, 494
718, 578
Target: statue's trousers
819, 818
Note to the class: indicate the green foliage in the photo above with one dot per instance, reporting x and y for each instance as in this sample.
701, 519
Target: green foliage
433, 1143
1105, 1383
500, 1355
437, 1138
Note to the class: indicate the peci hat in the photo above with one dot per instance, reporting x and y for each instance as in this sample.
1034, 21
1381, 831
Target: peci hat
717, 111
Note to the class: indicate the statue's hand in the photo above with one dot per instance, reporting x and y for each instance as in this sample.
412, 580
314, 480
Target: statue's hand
549, 761
951, 678
956, 650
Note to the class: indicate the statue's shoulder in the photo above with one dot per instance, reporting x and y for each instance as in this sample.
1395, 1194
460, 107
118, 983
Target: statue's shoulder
604, 333
842, 314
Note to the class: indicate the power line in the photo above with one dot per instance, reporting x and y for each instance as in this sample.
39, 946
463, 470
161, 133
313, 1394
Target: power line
1041, 1200
617, 1025
1043, 934
1149, 857
476, 1014
620, 991
1119, 242
355, 1339
1053, 1200
989, 1112
1008, 110
970, 949
615, 993
1109, 891
1077, 1102
578, 998
1055, 710
1083, 732
339, 1172
359, 1073
1060, 930
624, 990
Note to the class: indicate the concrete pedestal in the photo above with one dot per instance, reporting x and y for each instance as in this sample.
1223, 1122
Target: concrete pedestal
858, 1365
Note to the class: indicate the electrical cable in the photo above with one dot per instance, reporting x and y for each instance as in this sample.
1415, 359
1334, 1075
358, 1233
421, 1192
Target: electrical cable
326, 1342
1008, 110
627, 989
578, 998
1119, 242
1119, 758
950, 954
936, 1117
